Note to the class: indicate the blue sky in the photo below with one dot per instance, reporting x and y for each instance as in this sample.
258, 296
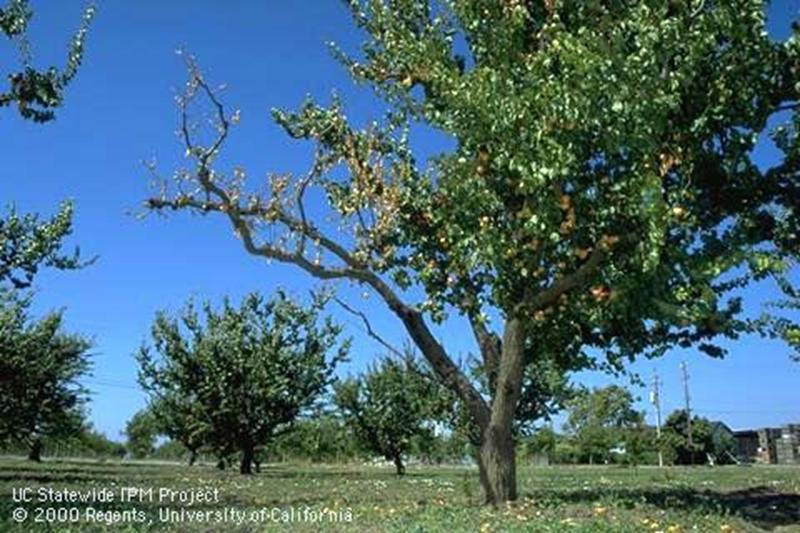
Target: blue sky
120, 111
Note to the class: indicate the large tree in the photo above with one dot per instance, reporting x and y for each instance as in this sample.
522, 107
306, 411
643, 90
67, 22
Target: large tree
246, 372
390, 405
600, 202
40, 366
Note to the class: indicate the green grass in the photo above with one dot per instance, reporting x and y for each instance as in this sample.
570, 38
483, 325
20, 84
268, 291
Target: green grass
430, 499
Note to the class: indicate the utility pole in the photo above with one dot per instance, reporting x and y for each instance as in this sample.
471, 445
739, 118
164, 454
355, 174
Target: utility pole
655, 399
685, 369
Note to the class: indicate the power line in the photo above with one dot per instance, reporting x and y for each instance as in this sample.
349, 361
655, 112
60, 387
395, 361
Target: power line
109, 383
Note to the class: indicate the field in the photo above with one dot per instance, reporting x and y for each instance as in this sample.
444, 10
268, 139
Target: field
371, 498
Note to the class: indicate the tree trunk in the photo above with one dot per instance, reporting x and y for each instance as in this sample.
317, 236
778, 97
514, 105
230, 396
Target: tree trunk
496, 457
221, 464
497, 466
399, 466
36, 451
192, 457
246, 465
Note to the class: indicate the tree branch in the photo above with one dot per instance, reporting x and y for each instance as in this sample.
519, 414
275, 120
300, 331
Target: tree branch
368, 327
571, 281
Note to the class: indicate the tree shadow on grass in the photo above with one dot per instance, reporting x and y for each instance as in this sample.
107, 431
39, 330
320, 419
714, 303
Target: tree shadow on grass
290, 472
761, 505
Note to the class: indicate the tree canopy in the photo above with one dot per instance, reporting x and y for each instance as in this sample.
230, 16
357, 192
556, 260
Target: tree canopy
243, 373
601, 202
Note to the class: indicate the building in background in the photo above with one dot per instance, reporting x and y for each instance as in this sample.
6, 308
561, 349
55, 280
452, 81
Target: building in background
786, 445
769, 445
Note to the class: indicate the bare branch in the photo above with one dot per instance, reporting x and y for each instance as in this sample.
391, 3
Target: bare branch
371, 332
244, 217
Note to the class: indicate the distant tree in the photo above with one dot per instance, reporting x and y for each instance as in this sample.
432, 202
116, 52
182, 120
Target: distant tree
708, 439
40, 366
245, 373
390, 405
542, 441
601, 419
319, 436
37, 93
141, 432
172, 449
83, 441
92, 442
599, 201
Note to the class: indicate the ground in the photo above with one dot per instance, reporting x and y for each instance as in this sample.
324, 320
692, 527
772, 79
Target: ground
371, 498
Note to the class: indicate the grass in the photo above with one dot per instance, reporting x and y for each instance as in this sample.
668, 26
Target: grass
427, 499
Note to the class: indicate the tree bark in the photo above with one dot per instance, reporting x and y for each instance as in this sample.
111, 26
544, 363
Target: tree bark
192, 457
246, 464
496, 457
399, 466
35, 453
497, 466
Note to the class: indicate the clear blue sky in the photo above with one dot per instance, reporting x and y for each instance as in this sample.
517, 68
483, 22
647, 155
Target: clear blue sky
120, 111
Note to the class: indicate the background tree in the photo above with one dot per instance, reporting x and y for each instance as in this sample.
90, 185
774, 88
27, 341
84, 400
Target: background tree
318, 436
709, 439
392, 404
542, 441
600, 420
248, 371
40, 366
600, 200
141, 432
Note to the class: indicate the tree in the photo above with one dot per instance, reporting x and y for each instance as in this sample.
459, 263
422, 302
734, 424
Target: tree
40, 365
319, 436
542, 441
245, 373
390, 405
600, 201
94, 443
141, 432
37, 93
708, 439
601, 419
